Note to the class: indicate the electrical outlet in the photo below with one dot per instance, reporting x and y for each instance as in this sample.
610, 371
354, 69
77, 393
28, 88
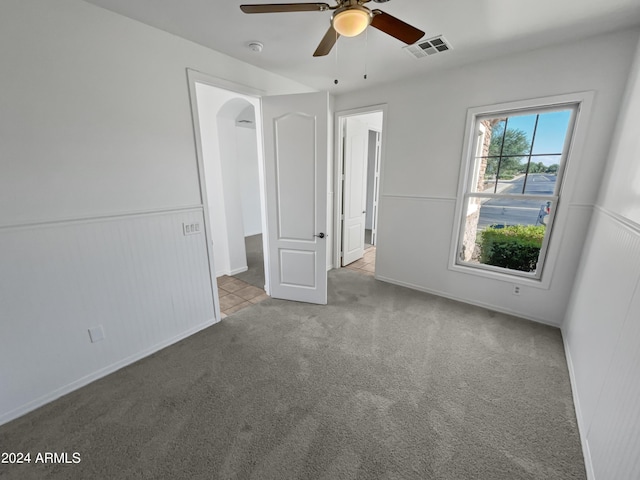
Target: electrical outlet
96, 334
516, 289
191, 228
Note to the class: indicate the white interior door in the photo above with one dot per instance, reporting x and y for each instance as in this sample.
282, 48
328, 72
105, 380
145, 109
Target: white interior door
296, 148
355, 159
376, 190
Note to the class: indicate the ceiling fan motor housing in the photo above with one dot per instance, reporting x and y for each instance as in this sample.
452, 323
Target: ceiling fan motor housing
351, 20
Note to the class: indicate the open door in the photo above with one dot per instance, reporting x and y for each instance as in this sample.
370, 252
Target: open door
296, 149
355, 159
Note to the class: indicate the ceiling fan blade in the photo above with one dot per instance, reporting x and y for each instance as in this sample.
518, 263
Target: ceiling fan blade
327, 42
284, 7
396, 27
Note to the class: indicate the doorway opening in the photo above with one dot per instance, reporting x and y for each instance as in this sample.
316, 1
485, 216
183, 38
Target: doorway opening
292, 172
229, 143
359, 159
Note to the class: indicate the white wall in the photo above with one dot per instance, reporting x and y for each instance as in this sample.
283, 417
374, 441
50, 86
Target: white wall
247, 149
97, 174
422, 158
228, 157
209, 101
217, 112
138, 277
373, 120
602, 328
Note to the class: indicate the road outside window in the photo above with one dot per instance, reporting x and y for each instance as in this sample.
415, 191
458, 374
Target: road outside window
512, 189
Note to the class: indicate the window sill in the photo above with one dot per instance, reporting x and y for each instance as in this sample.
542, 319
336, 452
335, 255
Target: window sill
541, 283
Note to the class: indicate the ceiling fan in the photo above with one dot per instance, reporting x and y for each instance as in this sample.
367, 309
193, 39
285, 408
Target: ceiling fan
350, 18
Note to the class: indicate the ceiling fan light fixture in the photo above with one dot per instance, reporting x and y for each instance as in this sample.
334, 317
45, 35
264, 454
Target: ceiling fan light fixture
351, 21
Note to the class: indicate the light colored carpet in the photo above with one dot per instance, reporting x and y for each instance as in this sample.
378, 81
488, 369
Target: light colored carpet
255, 262
367, 238
383, 383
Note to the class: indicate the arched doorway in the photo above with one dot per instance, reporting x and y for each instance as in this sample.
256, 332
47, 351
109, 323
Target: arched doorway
229, 134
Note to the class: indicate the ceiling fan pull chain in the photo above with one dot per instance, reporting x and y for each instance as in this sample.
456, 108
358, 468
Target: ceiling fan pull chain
336, 80
366, 51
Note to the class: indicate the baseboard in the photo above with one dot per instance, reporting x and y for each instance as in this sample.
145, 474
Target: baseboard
465, 300
582, 428
103, 372
231, 273
237, 271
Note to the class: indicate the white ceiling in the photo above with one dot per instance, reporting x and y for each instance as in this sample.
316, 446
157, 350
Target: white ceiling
476, 29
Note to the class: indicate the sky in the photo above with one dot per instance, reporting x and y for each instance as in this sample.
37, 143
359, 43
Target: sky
550, 134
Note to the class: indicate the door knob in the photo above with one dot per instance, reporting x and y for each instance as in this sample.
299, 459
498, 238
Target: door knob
364, 211
320, 235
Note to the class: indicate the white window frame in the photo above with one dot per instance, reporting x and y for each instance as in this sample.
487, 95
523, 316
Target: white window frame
549, 251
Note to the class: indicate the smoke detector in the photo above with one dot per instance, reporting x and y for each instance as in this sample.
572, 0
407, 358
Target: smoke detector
255, 46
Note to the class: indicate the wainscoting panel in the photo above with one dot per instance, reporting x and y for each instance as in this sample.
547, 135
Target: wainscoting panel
614, 437
415, 235
137, 278
602, 334
605, 287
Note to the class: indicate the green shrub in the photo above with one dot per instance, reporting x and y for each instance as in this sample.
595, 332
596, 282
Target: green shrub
515, 247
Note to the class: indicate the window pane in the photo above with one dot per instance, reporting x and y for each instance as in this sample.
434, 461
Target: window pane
505, 232
468, 251
510, 168
509, 172
551, 133
495, 130
542, 178
516, 140
487, 177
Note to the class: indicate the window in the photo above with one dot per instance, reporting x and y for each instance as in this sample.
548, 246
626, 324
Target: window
511, 187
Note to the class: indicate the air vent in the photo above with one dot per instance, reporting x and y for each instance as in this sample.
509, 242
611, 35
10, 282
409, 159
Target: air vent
243, 122
431, 46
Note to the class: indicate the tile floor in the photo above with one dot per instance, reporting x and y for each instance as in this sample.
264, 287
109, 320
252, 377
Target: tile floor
235, 295
367, 264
